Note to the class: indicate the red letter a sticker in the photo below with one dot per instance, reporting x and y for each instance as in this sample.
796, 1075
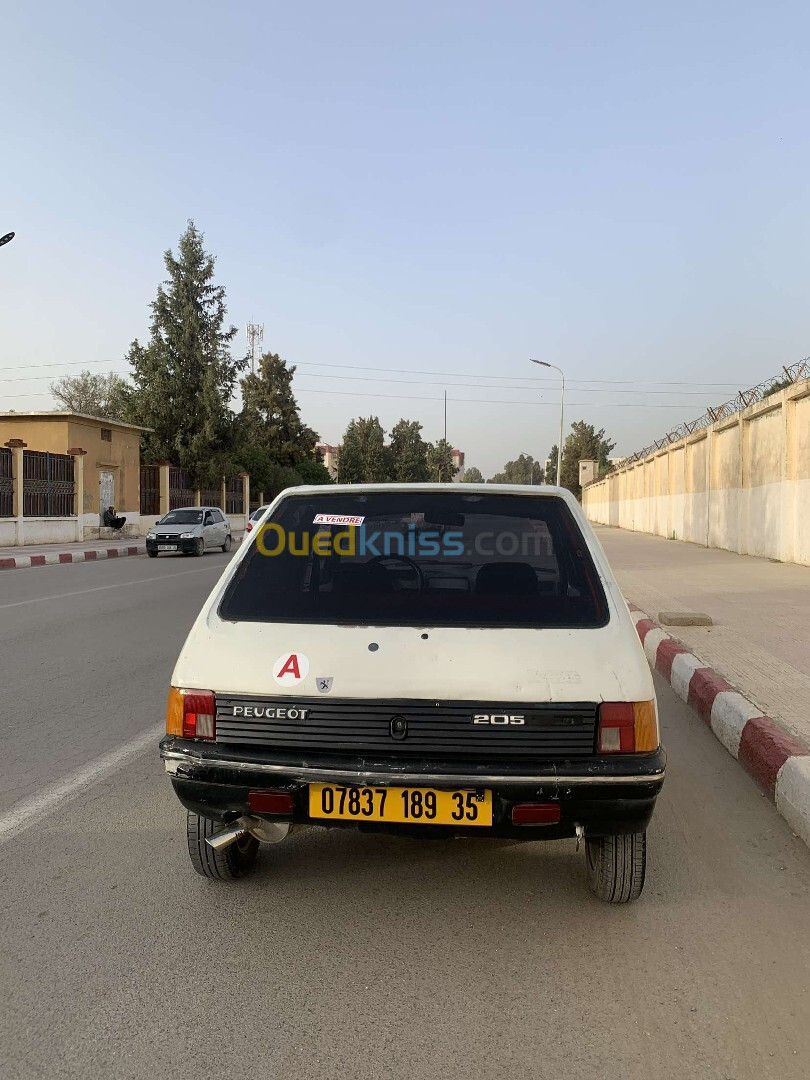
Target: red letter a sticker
290, 667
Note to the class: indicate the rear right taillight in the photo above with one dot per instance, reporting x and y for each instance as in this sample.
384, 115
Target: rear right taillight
627, 727
191, 714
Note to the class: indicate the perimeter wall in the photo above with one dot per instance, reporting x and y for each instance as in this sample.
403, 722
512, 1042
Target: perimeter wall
742, 484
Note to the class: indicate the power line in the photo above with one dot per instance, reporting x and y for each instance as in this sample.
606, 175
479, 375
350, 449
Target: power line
460, 375
61, 363
492, 401
513, 385
487, 386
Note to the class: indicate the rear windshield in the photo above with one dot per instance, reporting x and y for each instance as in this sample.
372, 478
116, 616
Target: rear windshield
413, 558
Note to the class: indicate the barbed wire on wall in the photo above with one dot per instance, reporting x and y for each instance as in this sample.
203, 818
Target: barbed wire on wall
741, 400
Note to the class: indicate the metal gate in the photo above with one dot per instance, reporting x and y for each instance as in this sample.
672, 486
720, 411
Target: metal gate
6, 483
48, 484
181, 491
150, 490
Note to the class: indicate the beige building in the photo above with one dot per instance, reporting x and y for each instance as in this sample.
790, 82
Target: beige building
111, 459
330, 457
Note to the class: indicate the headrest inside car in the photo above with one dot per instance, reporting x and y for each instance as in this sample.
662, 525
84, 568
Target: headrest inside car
506, 577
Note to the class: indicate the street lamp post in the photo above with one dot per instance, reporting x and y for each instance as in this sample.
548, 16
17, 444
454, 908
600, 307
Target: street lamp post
543, 363
531, 466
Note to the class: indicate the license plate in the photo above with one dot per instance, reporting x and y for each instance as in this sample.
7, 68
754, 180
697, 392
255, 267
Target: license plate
400, 805
167, 547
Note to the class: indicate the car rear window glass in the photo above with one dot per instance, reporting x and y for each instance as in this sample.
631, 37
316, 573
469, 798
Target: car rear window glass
419, 559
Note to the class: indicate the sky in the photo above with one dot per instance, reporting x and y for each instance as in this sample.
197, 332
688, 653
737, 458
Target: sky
419, 197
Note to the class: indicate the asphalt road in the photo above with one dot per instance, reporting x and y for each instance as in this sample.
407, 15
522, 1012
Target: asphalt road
349, 955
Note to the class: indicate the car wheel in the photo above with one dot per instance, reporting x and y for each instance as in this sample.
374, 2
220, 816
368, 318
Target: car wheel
234, 862
152, 554
199, 547
617, 866
226, 547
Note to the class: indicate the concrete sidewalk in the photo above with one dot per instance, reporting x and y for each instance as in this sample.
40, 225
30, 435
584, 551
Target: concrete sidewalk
761, 609
26, 556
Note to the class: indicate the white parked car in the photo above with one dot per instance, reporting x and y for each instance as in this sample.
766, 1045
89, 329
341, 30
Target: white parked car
434, 659
190, 530
256, 516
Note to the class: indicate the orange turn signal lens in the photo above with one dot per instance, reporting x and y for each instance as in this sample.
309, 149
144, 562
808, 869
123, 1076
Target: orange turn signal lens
627, 727
646, 726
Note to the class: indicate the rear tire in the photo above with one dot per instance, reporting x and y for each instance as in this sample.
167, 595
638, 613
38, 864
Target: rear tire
617, 866
226, 547
234, 862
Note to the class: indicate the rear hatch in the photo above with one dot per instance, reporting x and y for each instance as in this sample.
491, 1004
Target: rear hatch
485, 621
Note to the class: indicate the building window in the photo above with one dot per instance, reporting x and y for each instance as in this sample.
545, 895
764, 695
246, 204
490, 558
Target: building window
106, 434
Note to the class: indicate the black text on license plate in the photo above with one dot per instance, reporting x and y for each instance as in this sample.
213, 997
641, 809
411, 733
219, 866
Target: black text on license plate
400, 805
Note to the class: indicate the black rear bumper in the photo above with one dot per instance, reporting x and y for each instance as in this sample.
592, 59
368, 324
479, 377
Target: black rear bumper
603, 795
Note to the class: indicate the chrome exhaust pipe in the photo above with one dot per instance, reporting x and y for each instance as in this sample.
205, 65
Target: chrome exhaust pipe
220, 841
268, 832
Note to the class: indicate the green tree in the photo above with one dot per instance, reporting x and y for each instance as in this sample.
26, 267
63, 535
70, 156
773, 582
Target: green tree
363, 458
313, 472
270, 416
185, 377
523, 470
584, 443
95, 394
551, 467
408, 452
472, 475
440, 462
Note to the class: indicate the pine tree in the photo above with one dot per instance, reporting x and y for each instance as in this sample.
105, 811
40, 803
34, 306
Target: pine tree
185, 377
440, 462
270, 417
583, 443
363, 458
408, 452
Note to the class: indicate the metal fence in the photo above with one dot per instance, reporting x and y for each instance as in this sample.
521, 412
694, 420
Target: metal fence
6, 483
234, 496
48, 484
211, 496
741, 400
181, 489
150, 490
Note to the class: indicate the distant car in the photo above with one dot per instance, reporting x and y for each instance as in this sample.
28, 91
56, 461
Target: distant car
430, 659
190, 530
257, 514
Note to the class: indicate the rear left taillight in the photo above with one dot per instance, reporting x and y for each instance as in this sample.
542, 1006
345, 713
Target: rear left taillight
249, 526
627, 727
191, 714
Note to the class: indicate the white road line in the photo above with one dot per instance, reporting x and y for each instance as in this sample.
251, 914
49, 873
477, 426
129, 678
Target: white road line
28, 812
117, 585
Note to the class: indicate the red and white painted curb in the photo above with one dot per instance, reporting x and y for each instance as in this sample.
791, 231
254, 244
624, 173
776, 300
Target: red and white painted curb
54, 558
777, 761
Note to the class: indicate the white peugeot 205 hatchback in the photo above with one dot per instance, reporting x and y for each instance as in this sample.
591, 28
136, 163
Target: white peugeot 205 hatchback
428, 659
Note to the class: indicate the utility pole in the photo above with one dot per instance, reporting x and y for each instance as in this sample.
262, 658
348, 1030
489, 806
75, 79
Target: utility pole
255, 335
445, 416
